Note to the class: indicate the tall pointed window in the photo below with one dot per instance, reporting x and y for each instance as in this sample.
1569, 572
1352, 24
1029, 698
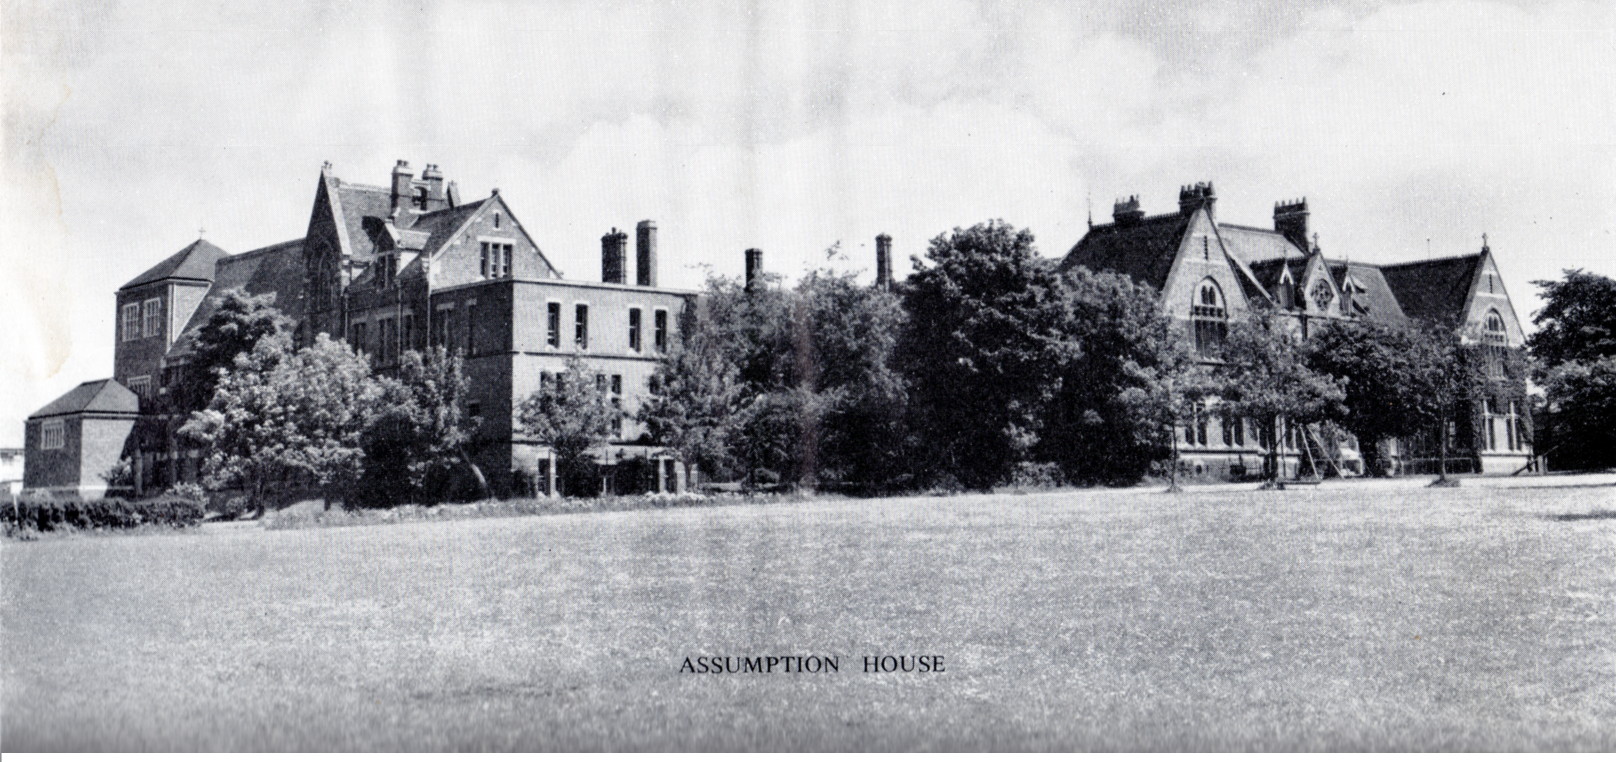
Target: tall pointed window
1211, 318
1495, 339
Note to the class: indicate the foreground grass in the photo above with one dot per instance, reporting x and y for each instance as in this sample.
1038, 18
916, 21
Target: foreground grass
1389, 619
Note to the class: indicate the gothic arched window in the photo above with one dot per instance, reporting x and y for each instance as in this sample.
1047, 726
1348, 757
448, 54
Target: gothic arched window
1211, 318
1495, 339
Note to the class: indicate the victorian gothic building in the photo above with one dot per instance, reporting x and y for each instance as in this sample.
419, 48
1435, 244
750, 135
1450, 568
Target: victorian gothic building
1210, 272
392, 268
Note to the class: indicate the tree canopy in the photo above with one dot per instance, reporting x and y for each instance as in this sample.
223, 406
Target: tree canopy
1577, 322
573, 415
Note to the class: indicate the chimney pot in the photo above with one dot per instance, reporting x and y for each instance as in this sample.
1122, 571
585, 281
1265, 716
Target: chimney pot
1290, 220
754, 269
645, 253
1126, 211
883, 262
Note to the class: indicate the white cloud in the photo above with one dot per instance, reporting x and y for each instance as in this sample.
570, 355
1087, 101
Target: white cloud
788, 126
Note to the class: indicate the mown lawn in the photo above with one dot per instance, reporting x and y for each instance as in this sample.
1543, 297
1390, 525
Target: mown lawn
1372, 619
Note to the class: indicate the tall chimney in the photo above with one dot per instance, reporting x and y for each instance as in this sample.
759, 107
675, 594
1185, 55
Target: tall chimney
435, 198
614, 257
754, 269
1290, 220
1126, 211
1192, 197
883, 262
402, 174
645, 252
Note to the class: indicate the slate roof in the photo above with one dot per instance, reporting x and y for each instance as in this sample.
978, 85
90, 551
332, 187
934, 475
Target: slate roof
442, 224
1143, 250
194, 262
1376, 301
104, 396
1251, 245
276, 269
1433, 290
364, 208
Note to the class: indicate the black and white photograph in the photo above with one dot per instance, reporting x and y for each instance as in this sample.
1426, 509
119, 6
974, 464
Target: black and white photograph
938, 376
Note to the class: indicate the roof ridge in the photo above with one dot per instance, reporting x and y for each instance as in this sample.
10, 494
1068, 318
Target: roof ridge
1432, 260
262, 250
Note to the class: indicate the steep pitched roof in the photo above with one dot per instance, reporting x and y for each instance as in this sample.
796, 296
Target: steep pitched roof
1434, 289
194, 262
1376, 301
276, 269
1142, 250
104, 396
364, 211
1250, 244
441, 225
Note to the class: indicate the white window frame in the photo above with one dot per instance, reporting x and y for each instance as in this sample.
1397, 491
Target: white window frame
553, 340
131, 321
636, 334
151, 317
589, 316
52, 434
661, 329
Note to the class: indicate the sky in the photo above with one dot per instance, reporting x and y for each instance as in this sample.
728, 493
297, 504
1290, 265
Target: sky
1412, 128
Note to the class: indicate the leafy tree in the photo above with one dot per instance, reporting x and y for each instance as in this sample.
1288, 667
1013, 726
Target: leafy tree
694, 404
845, 336
237, 323
1264, 376
574, 415
1391, 377
421, 428
1124, 387
1583, 399
987, 336
281, 417
1577, 321
777, 436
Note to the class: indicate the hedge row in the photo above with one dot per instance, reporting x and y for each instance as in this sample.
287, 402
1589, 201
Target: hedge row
107, 513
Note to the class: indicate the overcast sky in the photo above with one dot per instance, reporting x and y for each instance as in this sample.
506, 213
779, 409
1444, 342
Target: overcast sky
1412, 129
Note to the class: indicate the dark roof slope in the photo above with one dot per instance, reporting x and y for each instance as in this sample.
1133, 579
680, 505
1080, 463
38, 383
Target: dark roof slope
1434, 290
276, 269
442, 224
1376, 301
194, 262
364, 208
1142, 250
104, 396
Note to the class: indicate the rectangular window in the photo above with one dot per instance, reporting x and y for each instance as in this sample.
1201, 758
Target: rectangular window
505, 259
471, 327
141, 386
661, 330
496, 259
580, 329
386, 340
600, 382
617, 385
634, 328
554, 338
131, 321
359, 337
544, 382
52, 435
487, 269
407, 334
442, 330
1240, 432
153, 316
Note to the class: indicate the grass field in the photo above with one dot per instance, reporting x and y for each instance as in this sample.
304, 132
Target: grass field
1398, 618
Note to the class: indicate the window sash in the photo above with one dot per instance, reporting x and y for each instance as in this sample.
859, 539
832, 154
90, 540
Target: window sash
52, 435
634, 328
661, 330
131, 321
152, 313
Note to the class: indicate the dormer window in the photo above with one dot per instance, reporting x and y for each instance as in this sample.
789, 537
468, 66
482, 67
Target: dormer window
420, 198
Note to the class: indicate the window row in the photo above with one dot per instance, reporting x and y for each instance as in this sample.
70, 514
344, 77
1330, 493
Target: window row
611, 385
142, 319
580, 327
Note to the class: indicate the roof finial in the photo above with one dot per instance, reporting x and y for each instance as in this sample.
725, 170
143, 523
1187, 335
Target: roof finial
201, 233
1484, 248
1316, 249
1089, 196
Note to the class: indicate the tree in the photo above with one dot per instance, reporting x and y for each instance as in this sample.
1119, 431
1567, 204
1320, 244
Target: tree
421, 428
694, 404
1389, 375
236, 325
1124, 387
1577, 321
1583, 396
573, 415
987, 335
281, 417
1263, 375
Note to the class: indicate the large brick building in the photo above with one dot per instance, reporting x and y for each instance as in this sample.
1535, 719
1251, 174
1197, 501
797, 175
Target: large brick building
1210, 272
391, 268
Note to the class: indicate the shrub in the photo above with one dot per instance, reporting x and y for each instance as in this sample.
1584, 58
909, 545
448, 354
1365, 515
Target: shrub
45, 515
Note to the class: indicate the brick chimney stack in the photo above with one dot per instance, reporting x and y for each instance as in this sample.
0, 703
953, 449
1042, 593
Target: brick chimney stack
754, 269
1193, 197
1126, 211
1290, 220
402, 175
883, 262
645, 252
435, 196
614, 257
